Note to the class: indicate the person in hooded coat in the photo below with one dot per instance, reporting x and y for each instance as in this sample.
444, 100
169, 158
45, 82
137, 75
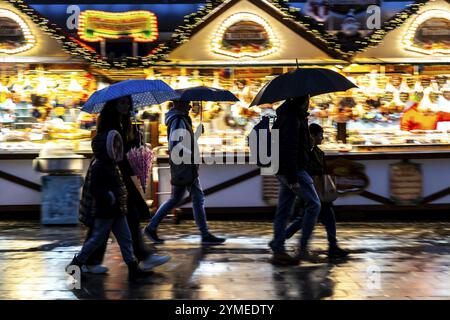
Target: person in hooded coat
184, 175
109, 199
116, 115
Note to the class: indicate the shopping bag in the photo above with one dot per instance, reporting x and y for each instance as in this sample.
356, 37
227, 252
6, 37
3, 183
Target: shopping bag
325, 188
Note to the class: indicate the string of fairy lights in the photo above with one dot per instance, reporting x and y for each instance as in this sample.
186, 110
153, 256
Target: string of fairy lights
193, 21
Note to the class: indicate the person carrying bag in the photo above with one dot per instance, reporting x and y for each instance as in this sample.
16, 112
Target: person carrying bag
326, 189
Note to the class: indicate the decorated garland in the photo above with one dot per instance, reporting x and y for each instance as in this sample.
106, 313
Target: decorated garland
192, 21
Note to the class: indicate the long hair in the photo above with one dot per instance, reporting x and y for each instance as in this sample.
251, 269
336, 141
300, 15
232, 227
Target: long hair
111, 119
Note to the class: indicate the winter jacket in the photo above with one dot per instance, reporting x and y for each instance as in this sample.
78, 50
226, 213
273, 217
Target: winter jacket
316, 165
187, 147
295, 143
107, 188
85, 214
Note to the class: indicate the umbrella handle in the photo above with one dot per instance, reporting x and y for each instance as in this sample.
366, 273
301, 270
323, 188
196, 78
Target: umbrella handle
137, 128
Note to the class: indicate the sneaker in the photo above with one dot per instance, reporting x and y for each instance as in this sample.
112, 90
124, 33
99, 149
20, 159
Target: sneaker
307, 255
153, 236
210, 239
336, 252
95, 269
135, 272
284, 259
153, 261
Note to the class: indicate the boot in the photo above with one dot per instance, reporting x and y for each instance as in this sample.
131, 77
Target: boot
75, 262
134, 272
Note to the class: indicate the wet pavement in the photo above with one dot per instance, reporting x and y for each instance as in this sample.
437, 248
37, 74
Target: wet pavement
388, 261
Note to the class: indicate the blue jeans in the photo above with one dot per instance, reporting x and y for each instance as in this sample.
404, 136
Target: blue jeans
100, 234
326, 217
198, 201
286, 202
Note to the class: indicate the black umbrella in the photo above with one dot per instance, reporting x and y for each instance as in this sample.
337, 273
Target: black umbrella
302, 82
203, 93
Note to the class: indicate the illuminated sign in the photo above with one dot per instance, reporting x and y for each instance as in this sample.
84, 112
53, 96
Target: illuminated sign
429, 33
15, 35
96, 26
244, 35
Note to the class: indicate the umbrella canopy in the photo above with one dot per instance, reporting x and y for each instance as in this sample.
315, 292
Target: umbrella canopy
302, 82
142, 92
205, 94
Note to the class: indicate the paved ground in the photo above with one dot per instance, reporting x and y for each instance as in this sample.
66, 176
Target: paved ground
388, 261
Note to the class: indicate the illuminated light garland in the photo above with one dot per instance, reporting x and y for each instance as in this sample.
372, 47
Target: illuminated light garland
68, 43
145, 28
408, 39
30, 40
395, 22
183, 33
243, 17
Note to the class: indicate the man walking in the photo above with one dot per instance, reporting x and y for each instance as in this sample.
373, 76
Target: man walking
184, 154
294, 146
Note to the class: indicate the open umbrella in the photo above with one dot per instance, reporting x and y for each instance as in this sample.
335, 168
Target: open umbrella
302, 82
203, 93
142, 92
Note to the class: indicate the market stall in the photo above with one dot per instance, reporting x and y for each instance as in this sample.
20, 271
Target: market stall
399, 112
396, 120
41, 89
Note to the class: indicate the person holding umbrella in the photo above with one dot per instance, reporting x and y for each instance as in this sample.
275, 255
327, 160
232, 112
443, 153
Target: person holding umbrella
115, 105
184, 176
110, 203
296, 87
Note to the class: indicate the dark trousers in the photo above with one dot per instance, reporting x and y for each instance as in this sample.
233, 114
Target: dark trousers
141, 250
326, 217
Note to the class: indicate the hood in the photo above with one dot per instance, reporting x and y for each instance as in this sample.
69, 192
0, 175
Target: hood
172, 113
108, 146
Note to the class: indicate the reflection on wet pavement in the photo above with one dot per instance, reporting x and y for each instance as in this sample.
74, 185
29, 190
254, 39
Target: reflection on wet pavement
388, 261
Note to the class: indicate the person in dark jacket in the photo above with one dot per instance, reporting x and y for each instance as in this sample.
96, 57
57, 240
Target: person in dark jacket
109, 196
294, 148
184, 175
116, 115
317, 168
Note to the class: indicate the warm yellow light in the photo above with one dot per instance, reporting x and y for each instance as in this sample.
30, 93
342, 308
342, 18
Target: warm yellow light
95, 26
30, 40
408, 39
239, 17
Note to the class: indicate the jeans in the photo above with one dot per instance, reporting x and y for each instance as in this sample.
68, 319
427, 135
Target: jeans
198, 201
286, 201
326, 217
141, 250
100, 234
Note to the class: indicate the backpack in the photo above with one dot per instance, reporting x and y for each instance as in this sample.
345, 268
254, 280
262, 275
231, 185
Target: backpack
260, 142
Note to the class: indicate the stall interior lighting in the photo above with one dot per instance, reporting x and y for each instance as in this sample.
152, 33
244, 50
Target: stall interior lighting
30, 40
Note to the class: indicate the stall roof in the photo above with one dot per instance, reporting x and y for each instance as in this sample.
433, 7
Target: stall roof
396, 46
191, 16
192, 45
55, 45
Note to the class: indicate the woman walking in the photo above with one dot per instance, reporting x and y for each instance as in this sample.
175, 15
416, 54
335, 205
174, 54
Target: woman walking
109, 203
116, 115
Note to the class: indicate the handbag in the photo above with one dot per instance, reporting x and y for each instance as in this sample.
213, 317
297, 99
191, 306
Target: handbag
325, 188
